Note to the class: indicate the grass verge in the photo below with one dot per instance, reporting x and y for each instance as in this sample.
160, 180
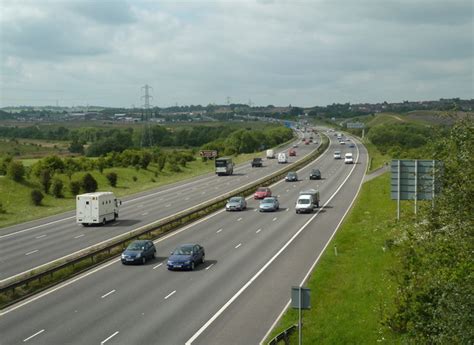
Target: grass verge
351, 292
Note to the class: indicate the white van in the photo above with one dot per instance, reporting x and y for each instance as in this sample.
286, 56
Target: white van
270, 154
282, 158
96, 208
348, 159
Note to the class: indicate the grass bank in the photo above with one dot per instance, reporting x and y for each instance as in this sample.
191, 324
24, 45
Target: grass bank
351, 292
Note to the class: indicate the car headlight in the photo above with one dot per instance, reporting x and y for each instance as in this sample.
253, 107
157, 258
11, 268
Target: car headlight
123, 256
138, 255
169, 262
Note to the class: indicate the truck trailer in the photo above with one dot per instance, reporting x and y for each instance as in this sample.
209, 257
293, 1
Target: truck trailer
96, 208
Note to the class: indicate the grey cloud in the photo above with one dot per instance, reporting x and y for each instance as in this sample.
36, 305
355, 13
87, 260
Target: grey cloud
110, 12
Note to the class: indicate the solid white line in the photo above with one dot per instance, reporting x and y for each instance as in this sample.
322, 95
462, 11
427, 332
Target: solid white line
319, 256
268, 263
36, 227
258, 231
108, 293
41, 236
157, 266
32, 336
218, 231
107, 339
78, 236
237, 246
33, 251
171, 294
209, 266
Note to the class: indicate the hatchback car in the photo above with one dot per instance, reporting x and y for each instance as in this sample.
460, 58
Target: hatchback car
262, 193
292, 152
186, 256
236, 203
270, 204
291, 177
315, 174
138, 252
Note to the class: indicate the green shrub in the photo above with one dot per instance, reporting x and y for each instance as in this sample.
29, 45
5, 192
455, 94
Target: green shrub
112, 178
36, 197
2, 209
75, 187
16, 171
45, 179
89, 183
57, 188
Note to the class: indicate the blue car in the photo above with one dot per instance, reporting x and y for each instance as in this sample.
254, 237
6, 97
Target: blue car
186, 256
138, 252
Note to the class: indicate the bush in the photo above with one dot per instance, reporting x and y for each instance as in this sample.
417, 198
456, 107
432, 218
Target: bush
45, 179
112, 177
75, 187
57, 188
89, 184
16, 171
36, 197
2, 209
134, 178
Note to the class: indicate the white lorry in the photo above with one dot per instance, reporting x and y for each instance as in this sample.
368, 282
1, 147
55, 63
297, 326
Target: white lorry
96, 208
282, 159
270, 154
307, 201
348, 158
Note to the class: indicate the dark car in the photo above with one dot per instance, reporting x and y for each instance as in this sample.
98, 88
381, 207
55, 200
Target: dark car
292, 152
315, 174
236, 203
138, 252
291, 177
270, 204
262, 193
257, 162
351, 145
186, 256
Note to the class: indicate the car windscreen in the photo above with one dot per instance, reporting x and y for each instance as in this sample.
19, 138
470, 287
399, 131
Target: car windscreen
136, 246
221, 164
234, 200
303, 201
183, 251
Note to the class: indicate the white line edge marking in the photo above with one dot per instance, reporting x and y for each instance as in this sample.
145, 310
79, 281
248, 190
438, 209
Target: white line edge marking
32, 252
36, 227
209, 266
32, 336
269, 262
78, 236
110, 337
157, 266
108, 293
170, 294
86, 274
41, 236
319, 256
237, 246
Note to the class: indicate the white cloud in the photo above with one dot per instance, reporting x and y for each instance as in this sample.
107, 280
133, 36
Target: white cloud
274, 52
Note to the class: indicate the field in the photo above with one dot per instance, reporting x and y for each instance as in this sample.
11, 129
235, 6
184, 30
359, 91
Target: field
351, 292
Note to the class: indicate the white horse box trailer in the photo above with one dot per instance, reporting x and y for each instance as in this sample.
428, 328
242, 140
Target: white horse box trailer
96, 208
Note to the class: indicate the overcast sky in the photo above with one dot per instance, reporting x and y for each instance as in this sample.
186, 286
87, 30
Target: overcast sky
280, 52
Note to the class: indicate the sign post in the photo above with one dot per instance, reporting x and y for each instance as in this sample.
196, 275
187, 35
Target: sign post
300, 299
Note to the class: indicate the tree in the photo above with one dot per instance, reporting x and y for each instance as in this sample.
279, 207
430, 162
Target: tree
45, 179
89, 184
76, 147
145, 159
112, 177
161, 160
75, 187
16, 171
36, 197
57, 188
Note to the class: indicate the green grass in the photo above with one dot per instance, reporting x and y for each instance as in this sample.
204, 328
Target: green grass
351, 292
377, 159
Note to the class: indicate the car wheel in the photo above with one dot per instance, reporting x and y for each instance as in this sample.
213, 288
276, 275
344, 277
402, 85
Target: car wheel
202, 259
143, 260
192, 266
153, 256
85, 224
104, 221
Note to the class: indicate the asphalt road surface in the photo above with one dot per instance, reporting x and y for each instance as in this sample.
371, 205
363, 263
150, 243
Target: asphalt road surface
27, 246
252, 260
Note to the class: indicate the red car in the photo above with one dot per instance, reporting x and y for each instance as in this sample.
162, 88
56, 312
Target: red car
262, 193
292, 152
306, 142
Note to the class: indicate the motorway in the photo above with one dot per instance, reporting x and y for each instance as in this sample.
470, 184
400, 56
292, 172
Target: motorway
27, 246
252, 260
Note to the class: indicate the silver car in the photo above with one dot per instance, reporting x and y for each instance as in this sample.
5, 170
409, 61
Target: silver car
236, 203
269, 204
